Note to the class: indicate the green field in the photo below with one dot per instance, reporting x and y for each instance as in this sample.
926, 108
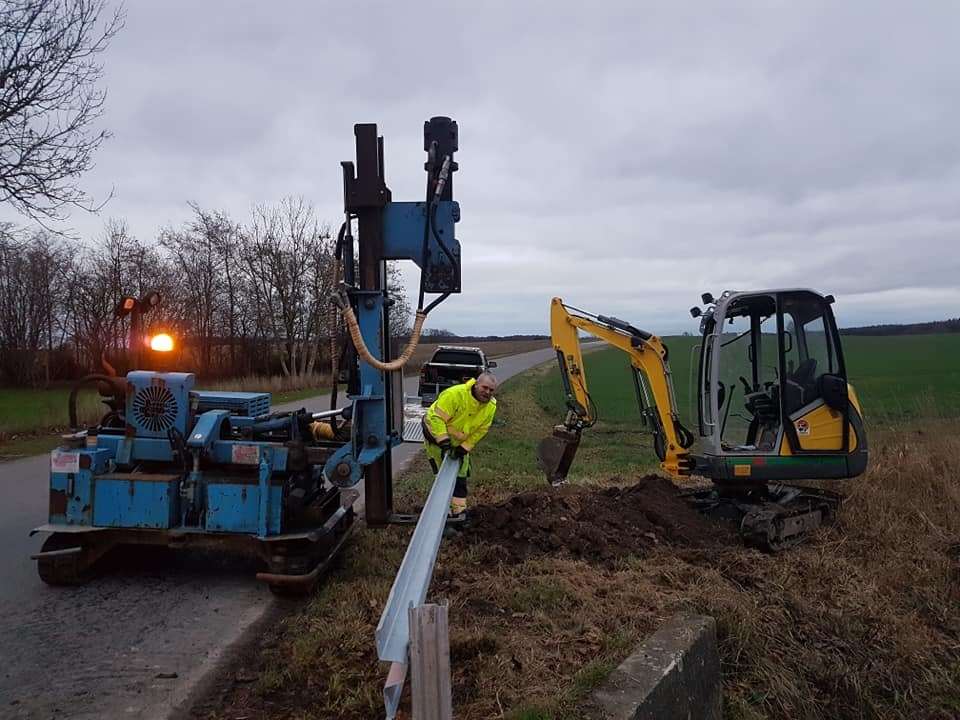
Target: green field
30, 410
896, 378
27, 410
31, 419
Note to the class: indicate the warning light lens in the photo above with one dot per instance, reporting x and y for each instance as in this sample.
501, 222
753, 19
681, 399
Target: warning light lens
128, 303
161, 343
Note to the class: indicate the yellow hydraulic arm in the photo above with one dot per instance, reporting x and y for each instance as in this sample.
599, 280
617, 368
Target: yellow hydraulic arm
654, 385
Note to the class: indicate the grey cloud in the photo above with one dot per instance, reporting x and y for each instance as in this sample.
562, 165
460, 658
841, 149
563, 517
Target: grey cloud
625, 155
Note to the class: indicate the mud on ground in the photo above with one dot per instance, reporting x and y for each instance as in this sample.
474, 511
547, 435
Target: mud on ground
600, 524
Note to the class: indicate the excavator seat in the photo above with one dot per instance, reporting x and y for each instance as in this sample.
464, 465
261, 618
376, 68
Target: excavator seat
801, 385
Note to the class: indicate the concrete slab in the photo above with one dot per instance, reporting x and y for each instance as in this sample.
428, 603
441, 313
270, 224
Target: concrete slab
672, 675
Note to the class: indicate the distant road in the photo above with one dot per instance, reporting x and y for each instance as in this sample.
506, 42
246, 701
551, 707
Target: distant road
111, 648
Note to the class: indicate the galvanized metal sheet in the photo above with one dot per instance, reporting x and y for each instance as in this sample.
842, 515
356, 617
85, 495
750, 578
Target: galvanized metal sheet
393, 688
413, 579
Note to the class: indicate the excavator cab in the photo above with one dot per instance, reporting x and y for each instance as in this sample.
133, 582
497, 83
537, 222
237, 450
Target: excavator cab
774, 402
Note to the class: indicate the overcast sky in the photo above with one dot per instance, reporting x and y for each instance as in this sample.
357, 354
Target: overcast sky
625, 156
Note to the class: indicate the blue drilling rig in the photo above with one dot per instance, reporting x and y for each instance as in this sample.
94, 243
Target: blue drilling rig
173, 466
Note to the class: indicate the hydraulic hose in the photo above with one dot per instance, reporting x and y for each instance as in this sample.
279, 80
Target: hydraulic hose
110, 380
342, 302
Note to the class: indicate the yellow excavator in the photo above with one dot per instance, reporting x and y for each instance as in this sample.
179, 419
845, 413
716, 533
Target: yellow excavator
773, 405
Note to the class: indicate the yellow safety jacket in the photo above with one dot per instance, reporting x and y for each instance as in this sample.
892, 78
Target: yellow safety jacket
458, 415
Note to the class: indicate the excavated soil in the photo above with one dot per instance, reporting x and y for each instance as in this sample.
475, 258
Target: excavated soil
593, 524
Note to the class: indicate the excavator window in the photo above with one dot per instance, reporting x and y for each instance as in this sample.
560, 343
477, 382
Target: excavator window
811, 355
749, 414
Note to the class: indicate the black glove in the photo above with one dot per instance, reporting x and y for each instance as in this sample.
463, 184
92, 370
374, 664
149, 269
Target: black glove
445, 446
460, 452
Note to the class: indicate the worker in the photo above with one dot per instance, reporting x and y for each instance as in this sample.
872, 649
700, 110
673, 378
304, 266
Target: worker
454, 424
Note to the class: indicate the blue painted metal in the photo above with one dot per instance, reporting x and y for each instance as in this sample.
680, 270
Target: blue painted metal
413, 578
247, 452
158, 401
67, 490
71, 493
235, 508
343, 454
266, 470
136, 500
238, 403
403, 230
124, 450
369, 438
246, 502
207, 429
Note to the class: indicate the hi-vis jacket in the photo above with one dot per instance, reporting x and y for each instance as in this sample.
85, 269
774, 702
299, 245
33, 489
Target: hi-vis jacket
458, 415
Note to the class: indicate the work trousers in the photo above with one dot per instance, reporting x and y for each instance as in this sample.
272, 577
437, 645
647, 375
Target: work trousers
458, 503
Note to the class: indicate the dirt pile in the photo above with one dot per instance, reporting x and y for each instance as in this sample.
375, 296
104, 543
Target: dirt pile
596, 524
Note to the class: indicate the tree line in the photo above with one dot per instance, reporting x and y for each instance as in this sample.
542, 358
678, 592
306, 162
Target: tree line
240, 298
925, 328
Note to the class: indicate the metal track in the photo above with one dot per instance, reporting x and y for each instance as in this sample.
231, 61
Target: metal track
774, 518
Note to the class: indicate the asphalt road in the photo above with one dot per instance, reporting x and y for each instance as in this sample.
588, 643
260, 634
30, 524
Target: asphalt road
137, 639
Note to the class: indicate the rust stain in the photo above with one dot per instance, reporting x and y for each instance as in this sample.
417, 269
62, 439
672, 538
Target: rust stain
58, 502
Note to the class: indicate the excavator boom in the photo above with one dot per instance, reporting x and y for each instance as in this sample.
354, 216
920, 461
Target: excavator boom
649, 359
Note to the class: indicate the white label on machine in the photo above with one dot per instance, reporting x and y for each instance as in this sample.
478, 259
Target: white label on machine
245, 454
64, 462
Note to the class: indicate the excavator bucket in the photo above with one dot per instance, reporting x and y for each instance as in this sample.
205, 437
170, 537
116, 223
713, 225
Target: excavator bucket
556, 452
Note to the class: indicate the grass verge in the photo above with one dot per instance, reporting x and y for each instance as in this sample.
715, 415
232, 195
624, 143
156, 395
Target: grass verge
31, 420
862, 622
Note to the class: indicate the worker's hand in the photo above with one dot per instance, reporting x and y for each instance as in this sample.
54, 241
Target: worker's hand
445, 446
460, 452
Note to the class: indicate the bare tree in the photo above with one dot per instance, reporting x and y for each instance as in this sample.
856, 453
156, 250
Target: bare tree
118, 265
222, 236
32, 269
200, 287
49, 100
288, 261
401, 314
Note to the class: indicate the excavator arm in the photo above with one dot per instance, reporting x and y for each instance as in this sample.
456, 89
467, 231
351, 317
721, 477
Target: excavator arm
652, 381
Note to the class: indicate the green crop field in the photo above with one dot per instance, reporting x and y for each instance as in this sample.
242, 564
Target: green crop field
27, 409
24, 410
896, 378
32, 418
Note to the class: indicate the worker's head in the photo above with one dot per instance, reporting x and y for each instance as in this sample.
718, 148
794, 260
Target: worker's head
485, 387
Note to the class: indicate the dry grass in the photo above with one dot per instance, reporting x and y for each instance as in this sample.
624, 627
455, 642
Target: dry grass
281, 388
268, 383
860, 623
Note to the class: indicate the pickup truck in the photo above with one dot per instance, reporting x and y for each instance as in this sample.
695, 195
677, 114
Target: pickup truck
450, 365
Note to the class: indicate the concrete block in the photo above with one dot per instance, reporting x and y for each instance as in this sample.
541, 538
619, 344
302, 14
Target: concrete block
672, 675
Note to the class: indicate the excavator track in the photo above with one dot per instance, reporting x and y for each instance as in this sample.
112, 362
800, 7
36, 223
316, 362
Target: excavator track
776, 518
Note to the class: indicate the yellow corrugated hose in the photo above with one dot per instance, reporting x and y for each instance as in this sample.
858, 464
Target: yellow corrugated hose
354, 327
